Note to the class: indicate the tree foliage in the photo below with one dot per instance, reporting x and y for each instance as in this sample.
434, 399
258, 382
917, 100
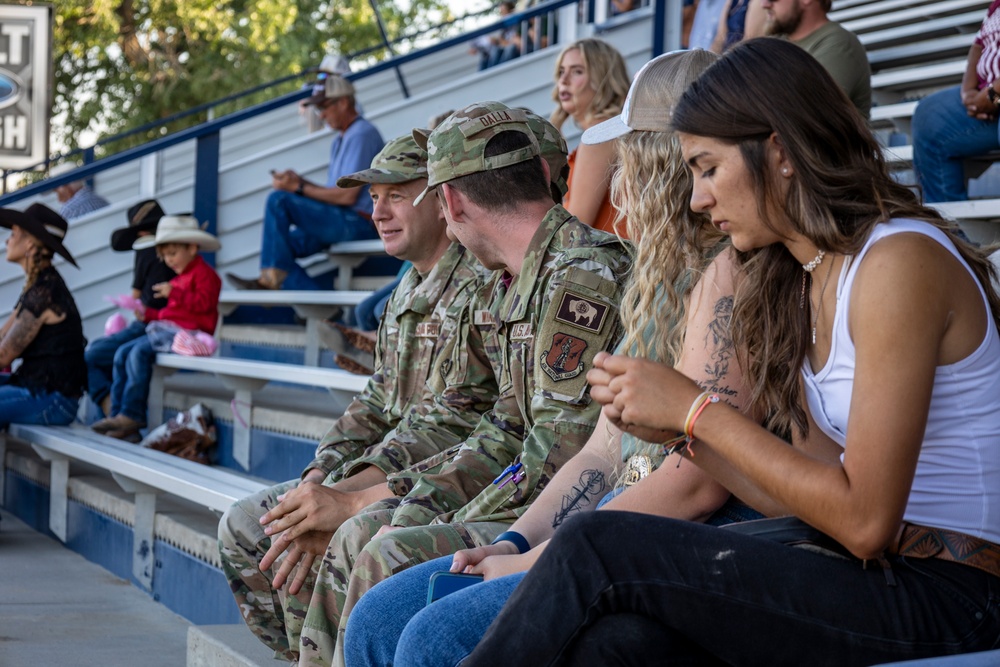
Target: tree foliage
122, 63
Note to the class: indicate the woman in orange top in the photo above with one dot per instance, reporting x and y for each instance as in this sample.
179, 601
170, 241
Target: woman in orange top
591, 85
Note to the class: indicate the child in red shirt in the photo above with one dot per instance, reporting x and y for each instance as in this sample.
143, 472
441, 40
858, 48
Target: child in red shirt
192, 303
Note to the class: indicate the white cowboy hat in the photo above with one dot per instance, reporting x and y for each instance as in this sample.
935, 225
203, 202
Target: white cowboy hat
179, 229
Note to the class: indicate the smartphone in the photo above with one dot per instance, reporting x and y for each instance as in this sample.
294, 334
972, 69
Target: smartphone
446, 583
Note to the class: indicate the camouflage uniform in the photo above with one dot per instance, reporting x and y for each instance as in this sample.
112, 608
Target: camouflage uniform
565, 298
427, 350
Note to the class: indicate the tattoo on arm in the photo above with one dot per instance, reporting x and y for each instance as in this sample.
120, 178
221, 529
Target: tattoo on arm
23, 330
590, 485
719, 341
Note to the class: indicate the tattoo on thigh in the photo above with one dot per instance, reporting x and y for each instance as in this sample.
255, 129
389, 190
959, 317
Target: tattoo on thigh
590, 485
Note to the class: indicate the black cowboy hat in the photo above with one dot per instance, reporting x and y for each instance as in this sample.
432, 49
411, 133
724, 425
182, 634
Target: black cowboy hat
41, 222
143, 217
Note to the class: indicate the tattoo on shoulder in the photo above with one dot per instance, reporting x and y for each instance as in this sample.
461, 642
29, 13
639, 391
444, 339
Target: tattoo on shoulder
719, 341
590, 485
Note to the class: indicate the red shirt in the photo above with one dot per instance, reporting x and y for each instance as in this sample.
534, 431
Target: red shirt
194, 300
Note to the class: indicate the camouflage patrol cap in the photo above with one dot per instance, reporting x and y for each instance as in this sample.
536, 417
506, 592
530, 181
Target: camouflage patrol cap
400, 161
457, 146
551, 146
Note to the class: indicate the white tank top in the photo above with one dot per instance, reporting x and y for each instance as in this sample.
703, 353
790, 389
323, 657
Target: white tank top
957, 481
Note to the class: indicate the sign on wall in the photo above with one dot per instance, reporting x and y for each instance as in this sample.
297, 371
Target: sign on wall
25, 84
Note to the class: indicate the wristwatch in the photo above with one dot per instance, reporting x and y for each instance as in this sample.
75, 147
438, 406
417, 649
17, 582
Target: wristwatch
992, 94
302, 182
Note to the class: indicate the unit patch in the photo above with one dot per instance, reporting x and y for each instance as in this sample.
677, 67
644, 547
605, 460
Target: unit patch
428, 330
582, 312
521, 332
564, 358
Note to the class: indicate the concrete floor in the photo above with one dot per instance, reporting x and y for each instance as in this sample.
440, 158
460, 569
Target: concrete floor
57, 608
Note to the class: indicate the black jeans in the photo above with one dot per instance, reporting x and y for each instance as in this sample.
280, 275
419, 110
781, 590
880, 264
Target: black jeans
704, 596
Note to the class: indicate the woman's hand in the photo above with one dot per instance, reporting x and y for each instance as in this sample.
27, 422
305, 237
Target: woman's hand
467, 559
640, 393
494, 567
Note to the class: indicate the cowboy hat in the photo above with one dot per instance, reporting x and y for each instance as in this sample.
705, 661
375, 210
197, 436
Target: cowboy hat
142, 217
43, 223
179, 229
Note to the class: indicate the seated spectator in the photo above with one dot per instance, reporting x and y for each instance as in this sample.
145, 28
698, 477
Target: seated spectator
304, 218
732, 26
795, 177
192, 304
44, 330
591, 84
501, 47
147, 272
805, 22
705, 24
959, 122
76, 198
655, 188
621, 6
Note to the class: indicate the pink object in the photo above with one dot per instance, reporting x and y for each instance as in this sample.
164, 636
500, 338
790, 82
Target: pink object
114, 324
193, 344
126, 302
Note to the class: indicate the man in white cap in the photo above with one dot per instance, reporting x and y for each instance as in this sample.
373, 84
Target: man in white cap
302, 218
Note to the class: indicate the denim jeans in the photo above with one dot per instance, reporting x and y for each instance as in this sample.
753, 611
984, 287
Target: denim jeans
49, 408
747, 600
391, 625
100, 356
133, 371
297, 226
944, 134
368, 313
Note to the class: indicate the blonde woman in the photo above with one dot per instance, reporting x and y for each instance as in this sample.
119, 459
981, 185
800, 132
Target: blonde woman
653, 187
591, 85
44, 330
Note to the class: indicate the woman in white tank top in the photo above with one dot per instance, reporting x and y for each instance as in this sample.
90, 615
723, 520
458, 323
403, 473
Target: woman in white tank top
868, 330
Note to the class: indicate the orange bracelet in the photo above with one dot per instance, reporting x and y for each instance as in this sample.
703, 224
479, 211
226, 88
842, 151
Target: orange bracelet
689, 426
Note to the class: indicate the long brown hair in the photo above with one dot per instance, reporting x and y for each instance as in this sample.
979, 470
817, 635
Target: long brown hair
840, 190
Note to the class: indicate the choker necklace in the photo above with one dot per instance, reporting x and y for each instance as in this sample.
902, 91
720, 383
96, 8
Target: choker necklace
819, 302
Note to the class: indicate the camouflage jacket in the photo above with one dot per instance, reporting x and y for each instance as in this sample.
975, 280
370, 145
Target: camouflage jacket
426, 348
543, 329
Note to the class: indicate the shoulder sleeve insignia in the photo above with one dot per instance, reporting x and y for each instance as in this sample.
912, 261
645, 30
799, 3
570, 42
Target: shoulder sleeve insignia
564, 358
428, 330
521, 332
581, 312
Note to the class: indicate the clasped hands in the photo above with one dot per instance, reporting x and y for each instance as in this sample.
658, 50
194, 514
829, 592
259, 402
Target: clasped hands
303, 523
286, 180
977, 104
643, 398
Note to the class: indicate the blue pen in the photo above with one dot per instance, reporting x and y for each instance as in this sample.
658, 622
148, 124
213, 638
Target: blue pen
509, 470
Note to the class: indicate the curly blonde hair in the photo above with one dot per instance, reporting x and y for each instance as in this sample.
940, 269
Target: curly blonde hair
608, 79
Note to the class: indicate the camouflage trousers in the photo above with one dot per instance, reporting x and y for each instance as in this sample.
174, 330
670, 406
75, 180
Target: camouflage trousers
271, 614
356, 560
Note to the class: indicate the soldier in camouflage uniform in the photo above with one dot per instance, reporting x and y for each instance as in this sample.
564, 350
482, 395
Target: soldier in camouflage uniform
545, 316
431, 370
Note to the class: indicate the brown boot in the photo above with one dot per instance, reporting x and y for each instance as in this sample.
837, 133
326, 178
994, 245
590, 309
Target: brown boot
351, 366
125, 428
244, 283
272, 278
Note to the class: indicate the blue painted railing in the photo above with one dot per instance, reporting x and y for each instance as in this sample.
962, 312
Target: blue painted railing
206, 178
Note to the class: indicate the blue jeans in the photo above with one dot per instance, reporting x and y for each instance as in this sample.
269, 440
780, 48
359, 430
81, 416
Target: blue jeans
943, 135
49, 408
316, 226
705, 596
100, 356
391, 626
368, 313
133, 371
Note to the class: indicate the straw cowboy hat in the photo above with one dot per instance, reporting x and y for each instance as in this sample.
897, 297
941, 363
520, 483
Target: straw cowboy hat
142, 217
179, 229
43, 223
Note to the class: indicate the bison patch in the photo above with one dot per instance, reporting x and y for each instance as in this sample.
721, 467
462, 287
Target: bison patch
581, 312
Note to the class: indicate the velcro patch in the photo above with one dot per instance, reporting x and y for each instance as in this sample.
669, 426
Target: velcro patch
579, 311
564, 358
483, 318
428, 330
521, 332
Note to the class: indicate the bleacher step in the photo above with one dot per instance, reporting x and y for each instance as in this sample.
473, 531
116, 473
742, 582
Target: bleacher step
227, 646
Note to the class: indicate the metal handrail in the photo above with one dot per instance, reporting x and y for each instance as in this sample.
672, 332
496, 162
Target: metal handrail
212, 127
